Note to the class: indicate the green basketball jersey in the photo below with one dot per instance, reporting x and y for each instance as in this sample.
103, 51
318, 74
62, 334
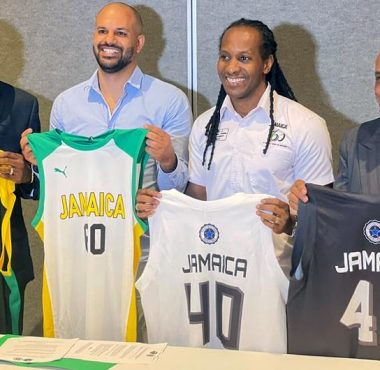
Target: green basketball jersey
86, 219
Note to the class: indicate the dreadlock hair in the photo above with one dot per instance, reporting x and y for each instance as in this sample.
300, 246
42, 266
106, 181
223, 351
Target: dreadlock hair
275, 77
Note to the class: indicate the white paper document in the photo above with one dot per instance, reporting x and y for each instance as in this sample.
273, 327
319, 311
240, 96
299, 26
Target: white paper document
35, 349
116, 352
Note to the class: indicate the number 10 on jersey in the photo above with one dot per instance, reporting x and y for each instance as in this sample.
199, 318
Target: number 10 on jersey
95, 238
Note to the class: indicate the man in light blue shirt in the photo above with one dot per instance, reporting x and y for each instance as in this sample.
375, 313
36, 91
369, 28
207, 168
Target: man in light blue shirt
120, 96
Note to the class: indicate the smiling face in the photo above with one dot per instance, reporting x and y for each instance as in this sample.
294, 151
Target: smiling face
117, 38
241, 68
377, 79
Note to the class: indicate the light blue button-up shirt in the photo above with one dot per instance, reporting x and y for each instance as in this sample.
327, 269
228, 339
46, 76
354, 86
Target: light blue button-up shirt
82, 110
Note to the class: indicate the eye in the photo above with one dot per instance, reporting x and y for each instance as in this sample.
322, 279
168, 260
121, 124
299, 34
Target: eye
121, 34
224, 57
102, 31
244, 58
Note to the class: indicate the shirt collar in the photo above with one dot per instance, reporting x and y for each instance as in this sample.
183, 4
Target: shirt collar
135, 80
263, 105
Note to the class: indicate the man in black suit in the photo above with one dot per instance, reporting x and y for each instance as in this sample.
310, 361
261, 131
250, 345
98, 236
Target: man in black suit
18, 111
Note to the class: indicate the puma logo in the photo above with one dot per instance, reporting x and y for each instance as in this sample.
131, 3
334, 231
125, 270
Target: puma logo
63, 172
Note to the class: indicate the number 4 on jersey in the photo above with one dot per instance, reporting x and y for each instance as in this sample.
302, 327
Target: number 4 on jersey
359, 313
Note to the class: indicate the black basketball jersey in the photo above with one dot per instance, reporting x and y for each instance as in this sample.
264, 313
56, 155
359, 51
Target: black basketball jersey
334, 308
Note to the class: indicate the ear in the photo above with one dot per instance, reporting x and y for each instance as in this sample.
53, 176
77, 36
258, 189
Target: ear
140, 43
268, 64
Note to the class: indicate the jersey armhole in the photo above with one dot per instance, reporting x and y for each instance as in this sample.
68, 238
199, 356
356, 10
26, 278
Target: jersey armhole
304, 240
42, 144
281, 278
149, 273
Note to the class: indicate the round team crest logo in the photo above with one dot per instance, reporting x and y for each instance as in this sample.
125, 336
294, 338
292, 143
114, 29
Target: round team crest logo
209, 234
371, 231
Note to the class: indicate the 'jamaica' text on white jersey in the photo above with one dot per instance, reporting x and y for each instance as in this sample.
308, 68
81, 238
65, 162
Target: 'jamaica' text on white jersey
91, 234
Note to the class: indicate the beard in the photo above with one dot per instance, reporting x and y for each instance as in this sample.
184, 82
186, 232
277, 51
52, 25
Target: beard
113, 66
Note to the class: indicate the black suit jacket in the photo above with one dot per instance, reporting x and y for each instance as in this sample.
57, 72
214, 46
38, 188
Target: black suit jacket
18, 111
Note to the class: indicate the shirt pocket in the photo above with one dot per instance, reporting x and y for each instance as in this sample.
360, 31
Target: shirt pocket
268, 172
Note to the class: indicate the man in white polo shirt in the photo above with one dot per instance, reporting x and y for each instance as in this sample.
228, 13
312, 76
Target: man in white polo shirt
257, 139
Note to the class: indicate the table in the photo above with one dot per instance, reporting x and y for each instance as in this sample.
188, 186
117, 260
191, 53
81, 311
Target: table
180, 358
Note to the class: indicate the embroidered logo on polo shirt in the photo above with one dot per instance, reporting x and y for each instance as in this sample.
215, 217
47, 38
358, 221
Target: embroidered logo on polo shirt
222, 134
277, 135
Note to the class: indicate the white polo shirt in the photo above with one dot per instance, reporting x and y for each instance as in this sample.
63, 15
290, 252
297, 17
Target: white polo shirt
300, 148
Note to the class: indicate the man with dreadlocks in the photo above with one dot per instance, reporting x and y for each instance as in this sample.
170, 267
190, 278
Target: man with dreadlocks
257, 139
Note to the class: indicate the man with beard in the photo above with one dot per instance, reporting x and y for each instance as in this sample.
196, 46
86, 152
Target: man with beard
120, 96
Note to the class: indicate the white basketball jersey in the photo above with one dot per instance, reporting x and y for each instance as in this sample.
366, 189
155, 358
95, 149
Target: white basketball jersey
212, 278
90, 232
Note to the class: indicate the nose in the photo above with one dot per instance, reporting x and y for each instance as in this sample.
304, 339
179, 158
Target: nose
233, 65
109, 38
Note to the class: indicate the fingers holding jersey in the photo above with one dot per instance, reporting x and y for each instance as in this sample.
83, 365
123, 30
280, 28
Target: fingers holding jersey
275, 214
6, 169
298, 192
25, 147
5, 166
147, 202
159, 146
13, 167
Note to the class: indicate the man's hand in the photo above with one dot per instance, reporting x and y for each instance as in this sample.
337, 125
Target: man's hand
275, 214
25, 147
14, 167
146, 202
160, 147
298, 192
